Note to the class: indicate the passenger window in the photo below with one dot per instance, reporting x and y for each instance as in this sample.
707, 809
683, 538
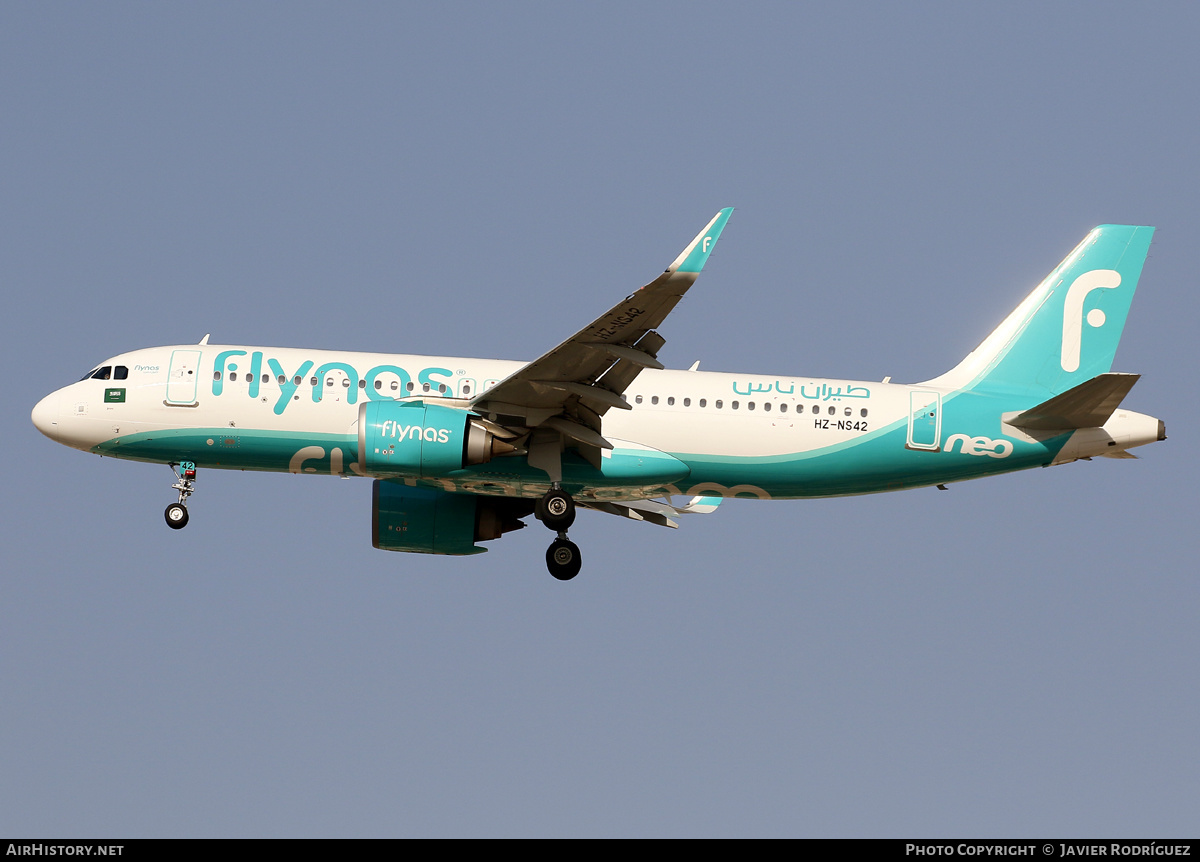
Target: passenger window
345, 382
411, 386
120, 372
733, 405
442, 388
718, 405
312, 381
266, 378
863, 412
832, 410
653, 399
233, 375
767, 406
749, 405
783, 408
362, 384
395, 385
281, 380
703, 402
638, 399
687, 402
216, 375
378, 384
297, 380
849, 412
424, 387
671, 401
466, 389
103, 373
328, 381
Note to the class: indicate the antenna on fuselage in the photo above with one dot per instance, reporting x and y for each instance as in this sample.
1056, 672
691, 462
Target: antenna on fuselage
204, 340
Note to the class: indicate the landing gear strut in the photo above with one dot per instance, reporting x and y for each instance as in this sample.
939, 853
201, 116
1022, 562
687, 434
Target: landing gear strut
177, 513
557, 511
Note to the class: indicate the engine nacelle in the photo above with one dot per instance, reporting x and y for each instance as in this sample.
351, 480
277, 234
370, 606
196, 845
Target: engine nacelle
429, 521
413, 438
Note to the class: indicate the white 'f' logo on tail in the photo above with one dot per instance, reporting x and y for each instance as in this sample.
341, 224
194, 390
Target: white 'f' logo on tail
1072, 336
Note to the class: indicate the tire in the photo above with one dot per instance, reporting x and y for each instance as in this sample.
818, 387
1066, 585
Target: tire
176, 515
556, 510
563, 559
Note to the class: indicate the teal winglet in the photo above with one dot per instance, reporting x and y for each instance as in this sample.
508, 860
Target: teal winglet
693, 257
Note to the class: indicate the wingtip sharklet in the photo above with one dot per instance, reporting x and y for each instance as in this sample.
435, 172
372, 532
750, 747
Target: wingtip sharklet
693, 258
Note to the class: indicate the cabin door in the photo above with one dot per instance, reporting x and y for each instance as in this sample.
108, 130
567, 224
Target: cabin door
924, 420
183, 377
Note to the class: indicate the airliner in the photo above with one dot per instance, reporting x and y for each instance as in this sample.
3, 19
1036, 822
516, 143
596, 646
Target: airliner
462, 450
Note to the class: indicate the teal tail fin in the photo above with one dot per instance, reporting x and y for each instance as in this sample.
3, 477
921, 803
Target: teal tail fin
1066, 331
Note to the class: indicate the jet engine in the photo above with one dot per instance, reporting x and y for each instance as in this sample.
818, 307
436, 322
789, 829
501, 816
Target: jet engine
415, 439
429, 521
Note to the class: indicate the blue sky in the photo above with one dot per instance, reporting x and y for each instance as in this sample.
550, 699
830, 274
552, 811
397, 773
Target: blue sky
1015, 657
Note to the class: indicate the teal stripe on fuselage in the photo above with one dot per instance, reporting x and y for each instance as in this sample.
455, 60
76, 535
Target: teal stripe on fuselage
235, 449
872, 462
871, 466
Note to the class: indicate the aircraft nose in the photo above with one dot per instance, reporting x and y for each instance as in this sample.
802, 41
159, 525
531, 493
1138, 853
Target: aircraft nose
45, 415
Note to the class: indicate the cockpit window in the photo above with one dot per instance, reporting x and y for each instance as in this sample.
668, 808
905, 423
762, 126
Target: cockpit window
121, 372
89, 374
102, 373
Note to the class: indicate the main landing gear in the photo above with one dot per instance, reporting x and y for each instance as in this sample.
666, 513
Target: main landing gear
557, 511
177, 513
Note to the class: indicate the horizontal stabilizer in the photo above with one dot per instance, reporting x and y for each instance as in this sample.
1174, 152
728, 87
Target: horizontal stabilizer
654, 511
700, 506
1088, 405
637, 510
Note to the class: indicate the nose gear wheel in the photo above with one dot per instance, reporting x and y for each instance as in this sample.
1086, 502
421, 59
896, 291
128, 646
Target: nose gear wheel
176, 515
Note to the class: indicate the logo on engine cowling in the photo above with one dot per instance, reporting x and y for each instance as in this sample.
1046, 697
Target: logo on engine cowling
401, 433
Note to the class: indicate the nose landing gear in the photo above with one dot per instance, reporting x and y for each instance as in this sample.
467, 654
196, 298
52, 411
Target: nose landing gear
177, 513
557, 511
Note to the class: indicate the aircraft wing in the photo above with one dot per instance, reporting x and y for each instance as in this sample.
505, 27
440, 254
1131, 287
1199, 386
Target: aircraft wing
568, 390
